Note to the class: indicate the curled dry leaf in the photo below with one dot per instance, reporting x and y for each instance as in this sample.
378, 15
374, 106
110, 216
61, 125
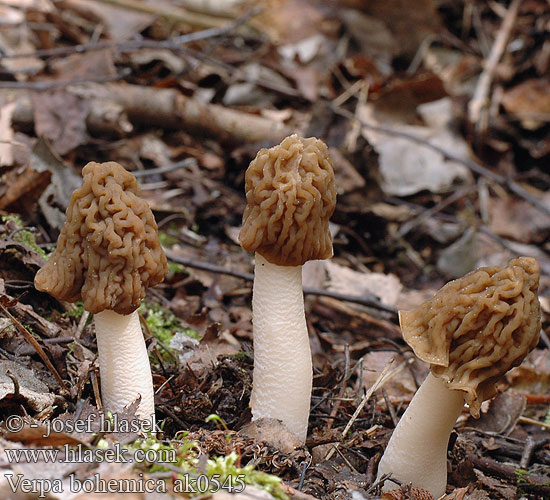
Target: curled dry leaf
19, 383
407, 167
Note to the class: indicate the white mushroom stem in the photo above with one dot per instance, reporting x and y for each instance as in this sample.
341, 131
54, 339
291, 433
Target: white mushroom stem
124, 363
417, 450
283, 372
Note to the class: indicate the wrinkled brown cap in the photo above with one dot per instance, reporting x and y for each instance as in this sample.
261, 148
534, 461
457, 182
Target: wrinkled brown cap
108, 251
291, 195
478, 327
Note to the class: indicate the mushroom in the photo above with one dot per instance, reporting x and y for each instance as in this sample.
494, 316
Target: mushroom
107, 254
471, 332
291, 195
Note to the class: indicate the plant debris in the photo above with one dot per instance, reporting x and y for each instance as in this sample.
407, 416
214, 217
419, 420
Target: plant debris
437, 119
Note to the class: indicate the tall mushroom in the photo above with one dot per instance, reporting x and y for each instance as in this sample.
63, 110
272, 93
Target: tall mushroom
291, 195
471, 332
107, 254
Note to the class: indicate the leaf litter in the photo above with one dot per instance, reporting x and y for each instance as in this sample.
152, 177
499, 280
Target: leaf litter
184, 98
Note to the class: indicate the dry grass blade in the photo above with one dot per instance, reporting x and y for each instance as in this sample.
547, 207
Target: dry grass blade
386, 374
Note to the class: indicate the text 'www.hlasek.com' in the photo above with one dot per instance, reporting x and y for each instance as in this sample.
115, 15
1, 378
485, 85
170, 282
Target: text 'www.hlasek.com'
177, 479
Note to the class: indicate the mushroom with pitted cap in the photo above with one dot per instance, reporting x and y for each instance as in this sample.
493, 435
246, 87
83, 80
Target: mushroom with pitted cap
471, 332
107, 254
291, 195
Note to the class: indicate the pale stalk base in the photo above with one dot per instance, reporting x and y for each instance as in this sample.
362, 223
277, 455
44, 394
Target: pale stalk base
283, 371
417, 450
123, 363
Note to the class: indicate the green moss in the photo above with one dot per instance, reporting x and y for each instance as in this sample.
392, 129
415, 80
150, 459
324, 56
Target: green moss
24, 236
166, 239
521, 475
163, 325
222, 471
227, 470
175, 268
77, 311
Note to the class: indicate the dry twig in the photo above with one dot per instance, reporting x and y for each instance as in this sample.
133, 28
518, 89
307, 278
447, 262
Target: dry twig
32, 341
480, 99
472, 165
205, 266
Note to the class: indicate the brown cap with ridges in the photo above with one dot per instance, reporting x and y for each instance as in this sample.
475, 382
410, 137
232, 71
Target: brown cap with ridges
108, 251
478, 327
291, 195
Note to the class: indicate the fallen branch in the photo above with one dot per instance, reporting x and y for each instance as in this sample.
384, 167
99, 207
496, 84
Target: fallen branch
115, 106
175, 14
534, 483
132, 45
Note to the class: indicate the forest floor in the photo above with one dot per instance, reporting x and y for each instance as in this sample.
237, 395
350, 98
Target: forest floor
437, 118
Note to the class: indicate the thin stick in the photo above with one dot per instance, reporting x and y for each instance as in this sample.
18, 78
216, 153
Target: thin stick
168, 168
532, 421
173, 14
56, 84
205, 266
472, 165
419, 219
131, 45
341, 392
480, 99
95, 388
384, 376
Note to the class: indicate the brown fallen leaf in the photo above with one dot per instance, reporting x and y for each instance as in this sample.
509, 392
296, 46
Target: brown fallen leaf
406, 493
529, 102
21, 185
457, 494
60, 117
503, 414
519, 220
18, 383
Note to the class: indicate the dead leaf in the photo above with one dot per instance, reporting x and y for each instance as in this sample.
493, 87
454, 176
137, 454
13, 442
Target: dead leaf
55, 198
407, 167
503, 414
93, 64
461, 257
11, 16
6, 134
13, 42
457, 494
122, 23
533, 375
273, 432
519, 220
386, 287
529, 102
409, 22
373, 36
21, 186
288, 21
29, 387
407, 493
346, 176
495, 486
60, 117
